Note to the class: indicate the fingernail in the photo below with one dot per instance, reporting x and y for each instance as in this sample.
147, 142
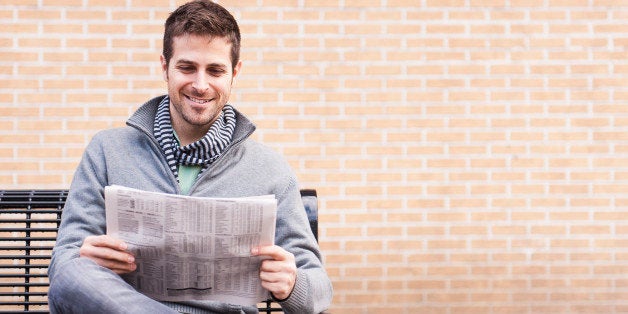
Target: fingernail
131, 259
254, 251
123, 246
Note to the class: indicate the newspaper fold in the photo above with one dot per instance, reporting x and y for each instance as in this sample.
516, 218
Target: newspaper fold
192, 248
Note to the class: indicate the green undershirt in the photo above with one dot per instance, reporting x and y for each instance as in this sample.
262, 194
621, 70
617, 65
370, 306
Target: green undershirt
187, 177
187, 174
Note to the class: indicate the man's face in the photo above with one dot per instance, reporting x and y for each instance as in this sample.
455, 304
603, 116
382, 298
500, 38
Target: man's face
199, 77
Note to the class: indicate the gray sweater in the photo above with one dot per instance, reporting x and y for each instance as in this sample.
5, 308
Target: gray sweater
131, 156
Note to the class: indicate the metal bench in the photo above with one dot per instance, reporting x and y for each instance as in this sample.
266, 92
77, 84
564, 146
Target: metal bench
29, 220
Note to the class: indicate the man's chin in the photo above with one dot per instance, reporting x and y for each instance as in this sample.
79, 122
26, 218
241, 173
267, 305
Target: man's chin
200, 122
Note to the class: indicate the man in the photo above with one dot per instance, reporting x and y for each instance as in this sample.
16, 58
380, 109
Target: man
188, 142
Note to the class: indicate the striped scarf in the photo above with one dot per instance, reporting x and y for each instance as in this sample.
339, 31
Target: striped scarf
200, 153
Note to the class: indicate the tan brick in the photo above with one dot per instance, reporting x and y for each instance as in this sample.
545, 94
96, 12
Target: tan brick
60, 166
405, 245
436, 230
34, 125
63, 138
447, 270
23, 111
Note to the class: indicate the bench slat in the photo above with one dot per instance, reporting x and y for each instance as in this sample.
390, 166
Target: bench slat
28, 266
24, 284
23, 275
32, 239
22, 294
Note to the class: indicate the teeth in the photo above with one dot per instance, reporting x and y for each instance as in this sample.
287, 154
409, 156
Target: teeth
198, 101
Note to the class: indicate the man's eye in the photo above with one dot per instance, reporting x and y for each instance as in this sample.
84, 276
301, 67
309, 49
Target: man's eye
216, 72
186, 69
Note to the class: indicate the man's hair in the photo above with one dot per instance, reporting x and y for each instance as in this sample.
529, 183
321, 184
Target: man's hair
202, 18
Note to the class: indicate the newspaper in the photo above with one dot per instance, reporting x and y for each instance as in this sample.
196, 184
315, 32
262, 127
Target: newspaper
192, 248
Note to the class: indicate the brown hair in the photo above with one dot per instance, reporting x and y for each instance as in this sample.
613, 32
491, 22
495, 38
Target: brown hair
203, 18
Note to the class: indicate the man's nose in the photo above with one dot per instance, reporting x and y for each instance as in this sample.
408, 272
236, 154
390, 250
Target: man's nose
200, 84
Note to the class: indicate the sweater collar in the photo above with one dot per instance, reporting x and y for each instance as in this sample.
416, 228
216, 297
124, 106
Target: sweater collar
144, 117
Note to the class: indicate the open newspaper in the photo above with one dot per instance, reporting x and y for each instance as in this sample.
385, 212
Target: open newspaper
193, 248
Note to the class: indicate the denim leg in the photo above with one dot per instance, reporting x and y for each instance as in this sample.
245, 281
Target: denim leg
82, 286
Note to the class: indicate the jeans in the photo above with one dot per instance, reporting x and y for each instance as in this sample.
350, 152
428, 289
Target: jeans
82, 286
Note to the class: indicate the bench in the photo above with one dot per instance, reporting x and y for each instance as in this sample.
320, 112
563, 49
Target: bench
29, 220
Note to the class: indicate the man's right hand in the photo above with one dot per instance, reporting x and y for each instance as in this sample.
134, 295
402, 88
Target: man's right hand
108, 252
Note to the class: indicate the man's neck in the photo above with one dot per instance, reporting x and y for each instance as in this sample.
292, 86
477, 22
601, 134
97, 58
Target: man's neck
189, 134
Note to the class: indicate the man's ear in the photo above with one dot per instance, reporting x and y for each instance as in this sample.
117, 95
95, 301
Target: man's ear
164, 67
236, 71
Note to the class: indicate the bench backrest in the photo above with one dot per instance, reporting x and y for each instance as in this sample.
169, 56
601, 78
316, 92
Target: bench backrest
29, 220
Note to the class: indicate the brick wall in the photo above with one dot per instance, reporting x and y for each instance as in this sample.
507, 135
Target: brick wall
471, 156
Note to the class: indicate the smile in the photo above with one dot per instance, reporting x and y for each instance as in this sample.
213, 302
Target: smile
198, 101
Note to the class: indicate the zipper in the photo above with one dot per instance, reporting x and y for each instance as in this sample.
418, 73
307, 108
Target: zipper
221, 158
157, 147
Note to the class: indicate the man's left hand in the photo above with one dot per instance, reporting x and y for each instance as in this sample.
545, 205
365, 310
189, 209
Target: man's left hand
279, 273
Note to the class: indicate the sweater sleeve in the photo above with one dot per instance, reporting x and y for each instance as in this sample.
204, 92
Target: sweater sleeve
312, 291
84, 211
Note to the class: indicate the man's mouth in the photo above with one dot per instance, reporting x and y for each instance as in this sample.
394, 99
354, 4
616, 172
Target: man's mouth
197, 100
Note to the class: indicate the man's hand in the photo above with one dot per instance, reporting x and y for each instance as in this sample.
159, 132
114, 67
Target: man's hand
279, 273
108, 252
